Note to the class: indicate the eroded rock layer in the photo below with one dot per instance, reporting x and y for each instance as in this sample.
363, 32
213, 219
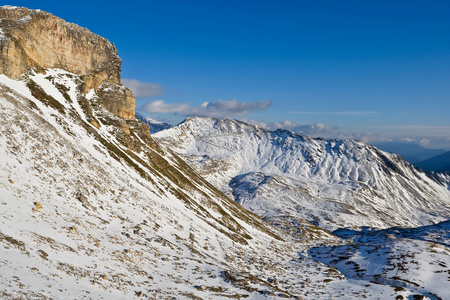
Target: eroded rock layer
36, 40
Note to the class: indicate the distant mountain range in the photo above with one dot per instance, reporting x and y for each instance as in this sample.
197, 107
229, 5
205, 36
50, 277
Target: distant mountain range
155, 126
411, 152
439, 163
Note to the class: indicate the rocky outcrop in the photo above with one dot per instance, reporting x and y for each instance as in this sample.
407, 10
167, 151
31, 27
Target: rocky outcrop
117, 99
36, 40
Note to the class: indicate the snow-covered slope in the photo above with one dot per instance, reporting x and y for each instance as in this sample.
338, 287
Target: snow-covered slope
441, 178
92, 207
103, 212
416, 258
336, 183
85, 215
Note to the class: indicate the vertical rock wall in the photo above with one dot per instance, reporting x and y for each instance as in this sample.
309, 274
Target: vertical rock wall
33, 39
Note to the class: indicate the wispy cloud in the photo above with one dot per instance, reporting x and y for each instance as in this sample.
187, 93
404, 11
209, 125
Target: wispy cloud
366, 137
143, 89
425, 139
315, 130
420, 127
418, 130
355, 113
427, 136
218, 109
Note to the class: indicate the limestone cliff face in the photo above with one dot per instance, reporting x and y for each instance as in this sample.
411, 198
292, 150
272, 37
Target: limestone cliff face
119, 100
36, 40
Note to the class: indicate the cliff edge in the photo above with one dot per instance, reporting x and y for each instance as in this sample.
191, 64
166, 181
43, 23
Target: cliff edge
37, 40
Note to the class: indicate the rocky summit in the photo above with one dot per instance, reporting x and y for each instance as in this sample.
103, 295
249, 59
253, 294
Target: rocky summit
36, 40
93, 207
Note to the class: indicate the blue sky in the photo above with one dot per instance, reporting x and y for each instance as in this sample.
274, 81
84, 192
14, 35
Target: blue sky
373, 70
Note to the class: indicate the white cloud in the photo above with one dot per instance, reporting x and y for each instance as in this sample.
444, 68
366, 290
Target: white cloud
143, 89
425, 142
218, 109
159, 106
366, 137
314, 130
327, 131
407, 140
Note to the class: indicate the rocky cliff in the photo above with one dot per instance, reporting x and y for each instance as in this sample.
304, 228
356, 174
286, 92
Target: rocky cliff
36, 40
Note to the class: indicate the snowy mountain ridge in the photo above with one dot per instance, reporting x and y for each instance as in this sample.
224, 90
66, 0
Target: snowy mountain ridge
337, 183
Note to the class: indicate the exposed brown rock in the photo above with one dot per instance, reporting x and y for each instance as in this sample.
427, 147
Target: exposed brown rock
43, 254
37, 206
95, 124
117, 99
73, 229
36, 40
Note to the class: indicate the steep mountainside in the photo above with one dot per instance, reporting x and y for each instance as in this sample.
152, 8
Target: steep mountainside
336, 183
87, 204
441, 178
91, 205
411, 152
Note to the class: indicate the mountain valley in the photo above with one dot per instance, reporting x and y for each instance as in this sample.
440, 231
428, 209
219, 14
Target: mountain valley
95, 206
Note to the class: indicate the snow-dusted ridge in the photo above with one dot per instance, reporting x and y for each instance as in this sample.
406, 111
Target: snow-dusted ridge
337, 183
